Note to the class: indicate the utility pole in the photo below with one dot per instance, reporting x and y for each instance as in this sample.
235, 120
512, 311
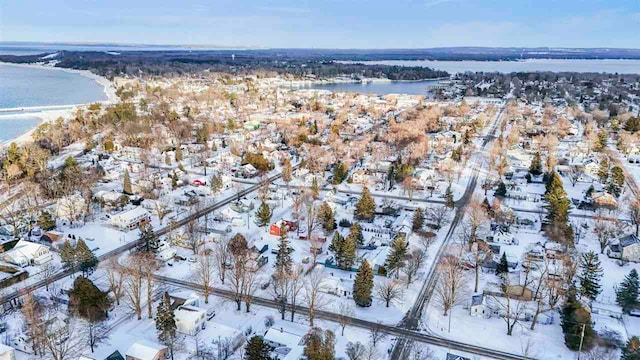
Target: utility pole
581, 340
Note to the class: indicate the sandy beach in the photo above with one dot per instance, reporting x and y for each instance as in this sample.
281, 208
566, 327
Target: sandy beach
51, 113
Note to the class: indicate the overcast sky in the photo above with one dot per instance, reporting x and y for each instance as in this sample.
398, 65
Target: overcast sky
327, 23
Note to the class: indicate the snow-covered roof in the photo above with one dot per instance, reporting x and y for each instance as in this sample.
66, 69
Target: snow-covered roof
144, 350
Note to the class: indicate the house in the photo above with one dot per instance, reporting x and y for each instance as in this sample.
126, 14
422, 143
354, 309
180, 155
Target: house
130, 219
610, 310
478, 306
274, 229
451, 356
360, 176
604, 199
190, 319
334, 286
115, 355
27, 253
286, 344
146, 350
627, 248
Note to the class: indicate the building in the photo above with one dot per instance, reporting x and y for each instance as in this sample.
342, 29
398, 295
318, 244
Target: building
27, 253
146, 350
627, 248
360, 176
130, 219
478, 306
190, 319
7, 352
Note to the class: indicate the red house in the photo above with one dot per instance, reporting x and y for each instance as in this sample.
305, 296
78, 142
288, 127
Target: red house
199, 182
274, 229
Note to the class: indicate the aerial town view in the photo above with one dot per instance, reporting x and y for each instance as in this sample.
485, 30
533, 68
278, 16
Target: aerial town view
280, 180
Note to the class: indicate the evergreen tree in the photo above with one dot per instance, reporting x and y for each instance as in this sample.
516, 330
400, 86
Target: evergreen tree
46, 221
336, 242
616, 181
347, 253
315, 189
148, 238
326, 218
601, 142
68, 256
216, 183
574, 317
627, 293
503, 265
501, 190
418, 220
631, 351
363, 285
448, 198
590, 275
283, 255
603, 171
287, 170
166, 323
126, 186
558, 211
397, 254
263, 214
339, 173
536, 165
632, 124
87, 301
257, 349
356, 233
85, 258
319, 345
366, 206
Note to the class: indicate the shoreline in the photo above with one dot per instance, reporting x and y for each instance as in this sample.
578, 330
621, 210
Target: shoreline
49, 113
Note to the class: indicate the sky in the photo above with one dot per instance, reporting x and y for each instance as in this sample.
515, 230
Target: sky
365, 24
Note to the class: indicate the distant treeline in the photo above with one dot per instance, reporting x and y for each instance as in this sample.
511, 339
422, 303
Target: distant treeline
185, 62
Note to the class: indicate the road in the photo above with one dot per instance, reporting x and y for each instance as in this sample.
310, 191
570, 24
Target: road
115, 252
363, 324
412, 319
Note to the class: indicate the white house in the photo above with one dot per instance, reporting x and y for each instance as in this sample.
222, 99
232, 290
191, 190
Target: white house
360, 176
130, 219
26, 253
190, 319
478, 306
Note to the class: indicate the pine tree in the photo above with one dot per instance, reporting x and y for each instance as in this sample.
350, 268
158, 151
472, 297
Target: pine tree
363, 285
574, 316
397, 254
46, 221
501, 190
257, 349
503, 265
627, 293
347, 253
264, 214
126, 186
601, 143
315, 189
68, 256
631, 351
590, 275
355, 231
85, 258
87, 301
148, 238
319, 345
616, 181
216, 183
326, 218
448, 198
536, 165
366, 206
558, 211
166, 323
418, 220
603, 171
283, 255
339, 173
287, 171
336, 242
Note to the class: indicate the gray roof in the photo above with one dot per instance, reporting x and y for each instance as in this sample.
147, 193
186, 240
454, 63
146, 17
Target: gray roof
476, 300
629, 240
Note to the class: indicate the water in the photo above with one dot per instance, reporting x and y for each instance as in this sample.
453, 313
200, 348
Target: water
13, 126
380, 88
530, 65
23, 86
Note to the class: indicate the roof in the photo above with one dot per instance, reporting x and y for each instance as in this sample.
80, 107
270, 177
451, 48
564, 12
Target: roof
129, 215
456, 357
476, 299
629, 240
189, 313
145, 350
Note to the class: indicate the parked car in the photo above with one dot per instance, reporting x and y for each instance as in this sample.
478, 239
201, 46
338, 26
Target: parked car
210, 313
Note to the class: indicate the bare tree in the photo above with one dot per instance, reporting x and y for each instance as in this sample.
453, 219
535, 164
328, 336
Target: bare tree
149, 265
296, 285
94, 333
311, 215
116, 278
480, 251
415, 260
418, 352
204, 273
222, 257
575, 173
161, 209
512, 308
605, 231
62, 344
476, 217
438, 215
634, 213
450, 288
48, 270
389, 291
376, 334
313, 294
133, 285
345, 314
